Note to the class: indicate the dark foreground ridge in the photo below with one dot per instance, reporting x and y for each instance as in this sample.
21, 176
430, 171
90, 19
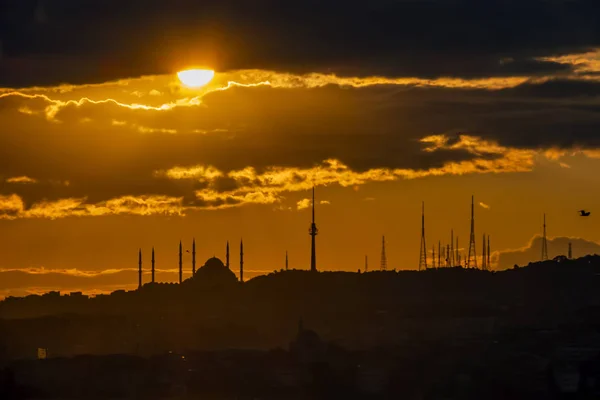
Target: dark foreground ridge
444, 333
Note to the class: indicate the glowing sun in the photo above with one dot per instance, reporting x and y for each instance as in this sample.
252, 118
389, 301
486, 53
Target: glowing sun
196, 77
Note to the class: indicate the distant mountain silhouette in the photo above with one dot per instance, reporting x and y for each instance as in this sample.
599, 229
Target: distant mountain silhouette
556, 246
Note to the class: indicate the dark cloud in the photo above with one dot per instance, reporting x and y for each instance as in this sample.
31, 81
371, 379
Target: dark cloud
111, 39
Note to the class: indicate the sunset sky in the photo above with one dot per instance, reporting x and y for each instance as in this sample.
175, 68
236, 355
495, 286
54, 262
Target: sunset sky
381, 105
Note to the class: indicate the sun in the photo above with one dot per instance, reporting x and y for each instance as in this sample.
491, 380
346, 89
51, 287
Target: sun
196, 77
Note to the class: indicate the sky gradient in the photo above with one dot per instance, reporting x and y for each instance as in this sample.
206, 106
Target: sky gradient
381, 106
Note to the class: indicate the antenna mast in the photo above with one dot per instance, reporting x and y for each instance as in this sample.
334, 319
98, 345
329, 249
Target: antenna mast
472, 257
544, 243
423, 250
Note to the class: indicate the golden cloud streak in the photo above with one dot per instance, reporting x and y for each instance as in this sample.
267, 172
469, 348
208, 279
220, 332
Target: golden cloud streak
268, 187
13, 207
21, 179
243, 79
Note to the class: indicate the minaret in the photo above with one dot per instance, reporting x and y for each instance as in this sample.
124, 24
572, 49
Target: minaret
472, 256
423, 250
140, 269
194, 257
180, 262
313, 232
383, 265
242, 261
366, 264
286, 260
544, 243
152, 264
227, 255
570, 251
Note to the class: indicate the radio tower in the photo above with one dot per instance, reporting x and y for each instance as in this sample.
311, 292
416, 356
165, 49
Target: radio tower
452, 259
152, 264
366, 264
383, 257
241, 261
423, 250
483, 257
313, 232
472, 257
194, 256
286, 260
457, 255
180, 263
140, 269
227, 255
544, 243
570, 251
489, 264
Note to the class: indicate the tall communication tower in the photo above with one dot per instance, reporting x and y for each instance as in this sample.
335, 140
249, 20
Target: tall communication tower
472, 257
489, 263
286, 260
570, 251
313, 232
383, 257
452, 259
152, 264
423, 250
457, 254
544, 243
194, 256
483, 256
180, 263
366, 264
140, 269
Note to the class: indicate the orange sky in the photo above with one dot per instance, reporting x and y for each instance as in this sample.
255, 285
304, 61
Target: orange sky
91, 173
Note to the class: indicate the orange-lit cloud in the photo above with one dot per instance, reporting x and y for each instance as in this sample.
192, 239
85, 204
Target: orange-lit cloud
21, 179
13, 207
303, 204
181, 97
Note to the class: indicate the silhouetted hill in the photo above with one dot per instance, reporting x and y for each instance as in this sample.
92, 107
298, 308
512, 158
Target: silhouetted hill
214, 311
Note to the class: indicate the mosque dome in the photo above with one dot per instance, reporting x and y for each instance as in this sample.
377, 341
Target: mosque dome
214, 262
214, 273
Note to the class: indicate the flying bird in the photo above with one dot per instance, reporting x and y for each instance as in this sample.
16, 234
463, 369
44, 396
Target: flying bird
584, 213
187, 251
